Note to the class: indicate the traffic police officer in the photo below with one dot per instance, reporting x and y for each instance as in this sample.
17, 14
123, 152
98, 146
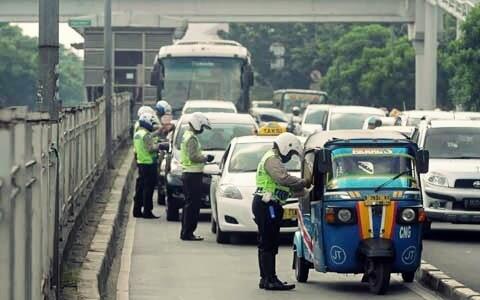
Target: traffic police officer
192, 161
274, 186
146, 149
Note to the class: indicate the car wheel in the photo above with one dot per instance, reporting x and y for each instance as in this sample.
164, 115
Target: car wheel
161, 193
408, 276
213, 225
221, 237
171, 208
301, 268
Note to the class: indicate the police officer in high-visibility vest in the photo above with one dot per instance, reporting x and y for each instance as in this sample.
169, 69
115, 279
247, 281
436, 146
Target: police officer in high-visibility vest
138, 187
146, 151
274, 186
192, 161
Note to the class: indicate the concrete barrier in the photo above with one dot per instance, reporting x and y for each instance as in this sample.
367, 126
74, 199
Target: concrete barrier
96, 266
448, 287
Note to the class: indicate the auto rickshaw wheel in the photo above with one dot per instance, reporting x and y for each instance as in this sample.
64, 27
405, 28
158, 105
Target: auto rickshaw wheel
301, 268
408, 276
378, 276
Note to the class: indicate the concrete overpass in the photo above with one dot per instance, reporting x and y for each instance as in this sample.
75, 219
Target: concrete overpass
423, 17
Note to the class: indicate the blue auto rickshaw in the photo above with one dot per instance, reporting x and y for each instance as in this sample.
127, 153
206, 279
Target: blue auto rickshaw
364, 213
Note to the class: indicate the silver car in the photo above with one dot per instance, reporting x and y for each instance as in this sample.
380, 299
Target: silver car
451, 188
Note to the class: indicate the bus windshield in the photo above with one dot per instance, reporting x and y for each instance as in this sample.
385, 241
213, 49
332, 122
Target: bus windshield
302, 100
370, 167
201, 78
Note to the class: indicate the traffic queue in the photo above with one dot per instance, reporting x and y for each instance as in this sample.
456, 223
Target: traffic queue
357, 187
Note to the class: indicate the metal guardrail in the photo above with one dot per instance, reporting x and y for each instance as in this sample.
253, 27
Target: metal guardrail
28, 170
457, 8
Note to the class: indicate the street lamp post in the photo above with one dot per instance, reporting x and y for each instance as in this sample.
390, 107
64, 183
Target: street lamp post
107, 90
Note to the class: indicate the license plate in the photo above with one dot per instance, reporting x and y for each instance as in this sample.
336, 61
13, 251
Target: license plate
289, 214
472, 204
373, 200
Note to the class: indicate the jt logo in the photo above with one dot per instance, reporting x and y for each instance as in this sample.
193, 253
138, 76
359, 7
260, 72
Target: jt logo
409, 255
338, 255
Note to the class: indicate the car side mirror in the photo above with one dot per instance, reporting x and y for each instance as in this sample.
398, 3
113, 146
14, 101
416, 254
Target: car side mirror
422, 157
323, 160
212, 169
157, 75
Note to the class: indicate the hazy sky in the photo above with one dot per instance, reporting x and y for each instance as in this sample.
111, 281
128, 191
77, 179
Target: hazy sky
67, 34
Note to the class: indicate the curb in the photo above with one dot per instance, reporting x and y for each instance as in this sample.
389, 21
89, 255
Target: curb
96, 267
434, 279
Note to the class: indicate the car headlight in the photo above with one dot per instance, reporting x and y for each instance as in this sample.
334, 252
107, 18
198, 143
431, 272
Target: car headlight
230, 191
344, 215
437, 179
408, 215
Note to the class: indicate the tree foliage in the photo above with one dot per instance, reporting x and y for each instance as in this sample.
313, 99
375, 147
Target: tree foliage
465, 64
372, 67
19, 66
364, 64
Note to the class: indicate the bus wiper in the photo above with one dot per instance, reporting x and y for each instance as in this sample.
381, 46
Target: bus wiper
392, 179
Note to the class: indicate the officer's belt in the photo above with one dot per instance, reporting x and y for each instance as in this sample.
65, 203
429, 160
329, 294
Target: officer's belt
277, 194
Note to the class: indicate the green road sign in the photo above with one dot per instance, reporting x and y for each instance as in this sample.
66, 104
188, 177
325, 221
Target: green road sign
79, 23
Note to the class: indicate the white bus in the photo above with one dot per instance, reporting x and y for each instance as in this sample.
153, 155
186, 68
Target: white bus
203, 70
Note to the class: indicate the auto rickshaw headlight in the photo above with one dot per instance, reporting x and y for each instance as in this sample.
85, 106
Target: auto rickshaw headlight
344, 215
408, 215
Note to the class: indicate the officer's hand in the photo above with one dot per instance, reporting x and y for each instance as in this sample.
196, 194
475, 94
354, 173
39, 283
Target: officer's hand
210, 158
164, 146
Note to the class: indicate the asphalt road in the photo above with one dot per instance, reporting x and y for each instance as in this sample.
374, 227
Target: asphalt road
163, 267
455, 249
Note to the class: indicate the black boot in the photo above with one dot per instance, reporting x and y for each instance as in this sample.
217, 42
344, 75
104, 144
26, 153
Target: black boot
272, 282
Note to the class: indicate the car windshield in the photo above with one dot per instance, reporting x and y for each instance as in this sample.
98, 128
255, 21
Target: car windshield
219, 137
270, 117
340, 121
458, 142
370, 167
246, 157
316, 116
205, 109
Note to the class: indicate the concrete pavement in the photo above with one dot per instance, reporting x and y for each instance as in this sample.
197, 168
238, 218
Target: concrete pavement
455, 249
160, 266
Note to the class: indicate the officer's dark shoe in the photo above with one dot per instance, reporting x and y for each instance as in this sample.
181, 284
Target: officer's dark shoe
276, 285
150, 215
261, 284
191, 238
137, 214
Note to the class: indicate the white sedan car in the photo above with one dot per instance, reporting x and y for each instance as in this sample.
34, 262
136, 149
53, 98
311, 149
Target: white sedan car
231, 192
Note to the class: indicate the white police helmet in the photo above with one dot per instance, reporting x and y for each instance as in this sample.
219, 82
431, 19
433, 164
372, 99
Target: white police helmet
199, 121
162, 107
288, 144
149, 121
145, 109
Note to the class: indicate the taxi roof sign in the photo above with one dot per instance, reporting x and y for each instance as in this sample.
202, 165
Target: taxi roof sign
271, 129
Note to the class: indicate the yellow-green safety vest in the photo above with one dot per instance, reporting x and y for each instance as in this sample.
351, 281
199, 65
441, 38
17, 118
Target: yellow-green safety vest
143, 155
188, 165
266, 184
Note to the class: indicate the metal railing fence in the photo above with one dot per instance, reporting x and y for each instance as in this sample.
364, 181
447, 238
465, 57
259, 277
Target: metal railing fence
28, 172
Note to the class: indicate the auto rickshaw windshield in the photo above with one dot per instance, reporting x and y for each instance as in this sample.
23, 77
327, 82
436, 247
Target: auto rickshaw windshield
370, 167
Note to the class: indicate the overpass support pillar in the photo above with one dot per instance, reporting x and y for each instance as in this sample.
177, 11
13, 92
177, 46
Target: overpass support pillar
424, 35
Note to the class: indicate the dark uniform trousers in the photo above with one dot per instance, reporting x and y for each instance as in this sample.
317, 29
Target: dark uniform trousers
268, 233
192, 189
145, 185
